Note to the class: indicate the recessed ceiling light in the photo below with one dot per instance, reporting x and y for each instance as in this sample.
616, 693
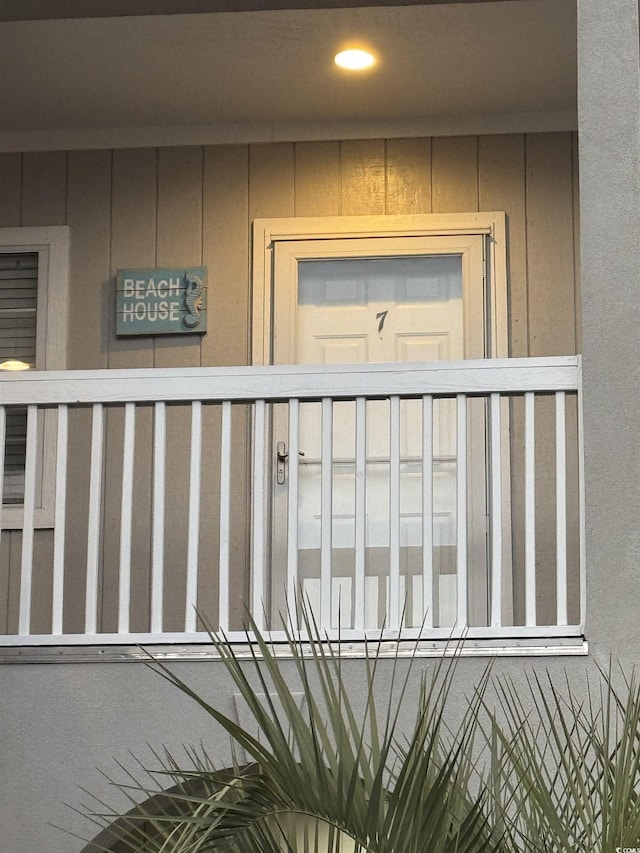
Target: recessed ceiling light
355, 59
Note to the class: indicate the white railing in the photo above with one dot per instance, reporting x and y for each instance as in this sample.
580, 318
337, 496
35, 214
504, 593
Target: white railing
444, 498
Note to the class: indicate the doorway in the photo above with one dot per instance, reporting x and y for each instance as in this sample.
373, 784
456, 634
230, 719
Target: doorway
400, 297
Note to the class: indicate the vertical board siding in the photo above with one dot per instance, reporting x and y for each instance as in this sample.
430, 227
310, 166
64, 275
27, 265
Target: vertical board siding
134, 198
225, 252
44, 188
192, 205
133, 245
179, 241
501, 186
363, 178
156, 206
550, 243
90, 297
552, 323
10, 189
271, 193
89, 182
271, 180
13, 591
454, 174
408, 176
317, 179
179, 238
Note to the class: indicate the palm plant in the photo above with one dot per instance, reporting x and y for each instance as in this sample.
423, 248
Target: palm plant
323, 774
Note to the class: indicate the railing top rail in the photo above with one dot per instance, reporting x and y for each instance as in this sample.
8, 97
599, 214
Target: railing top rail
281, 382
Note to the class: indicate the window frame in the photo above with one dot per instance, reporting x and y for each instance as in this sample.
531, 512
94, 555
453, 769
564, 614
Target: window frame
51, 244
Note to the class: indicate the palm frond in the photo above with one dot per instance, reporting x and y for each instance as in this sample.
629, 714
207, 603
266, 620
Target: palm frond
568, 772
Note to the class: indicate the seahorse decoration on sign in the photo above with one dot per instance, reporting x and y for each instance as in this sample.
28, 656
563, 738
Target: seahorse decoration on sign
192, 300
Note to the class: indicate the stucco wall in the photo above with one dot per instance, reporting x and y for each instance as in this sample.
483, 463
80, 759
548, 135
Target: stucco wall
609, 98
63, 723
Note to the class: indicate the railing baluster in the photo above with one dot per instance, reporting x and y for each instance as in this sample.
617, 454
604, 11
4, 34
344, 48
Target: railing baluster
60, 509
93, 525
360, 511
427, 510
561, 510
292, 513
326, 513
495, 460
26, 568
225, 516
461, 510
193, 543
126, 517
530, 508
157, 533
394, 513
259, 552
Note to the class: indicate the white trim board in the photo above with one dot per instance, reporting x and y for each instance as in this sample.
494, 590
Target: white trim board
78, 139
278, 382
268, 231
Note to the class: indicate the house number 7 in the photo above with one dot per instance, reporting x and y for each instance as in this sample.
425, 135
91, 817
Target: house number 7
382, 316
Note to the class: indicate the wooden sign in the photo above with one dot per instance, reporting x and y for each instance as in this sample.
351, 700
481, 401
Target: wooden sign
161, 301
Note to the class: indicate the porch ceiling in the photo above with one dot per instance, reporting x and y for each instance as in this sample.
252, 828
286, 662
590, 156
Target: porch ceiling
268, 75
33, 10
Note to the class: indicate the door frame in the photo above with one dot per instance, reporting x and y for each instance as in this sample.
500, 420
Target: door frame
492, 225
266, 232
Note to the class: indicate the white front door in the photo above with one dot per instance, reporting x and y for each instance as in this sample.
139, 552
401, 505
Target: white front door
365, 300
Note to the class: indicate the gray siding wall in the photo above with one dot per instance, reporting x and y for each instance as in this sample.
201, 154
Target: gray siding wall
195, 205
154, 207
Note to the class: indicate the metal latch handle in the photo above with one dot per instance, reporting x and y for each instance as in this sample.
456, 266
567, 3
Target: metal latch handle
282, 454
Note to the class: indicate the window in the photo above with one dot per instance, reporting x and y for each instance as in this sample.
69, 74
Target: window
33, 326
18, 315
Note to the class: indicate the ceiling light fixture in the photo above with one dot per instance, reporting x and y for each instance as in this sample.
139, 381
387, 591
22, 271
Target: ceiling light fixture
355, 59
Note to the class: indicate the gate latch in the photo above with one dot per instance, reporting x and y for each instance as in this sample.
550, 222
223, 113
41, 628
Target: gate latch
281, 456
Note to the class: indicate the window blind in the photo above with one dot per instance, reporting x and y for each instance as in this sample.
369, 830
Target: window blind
18, 311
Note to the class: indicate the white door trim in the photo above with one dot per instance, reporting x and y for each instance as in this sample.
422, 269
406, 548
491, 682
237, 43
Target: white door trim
266, 232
